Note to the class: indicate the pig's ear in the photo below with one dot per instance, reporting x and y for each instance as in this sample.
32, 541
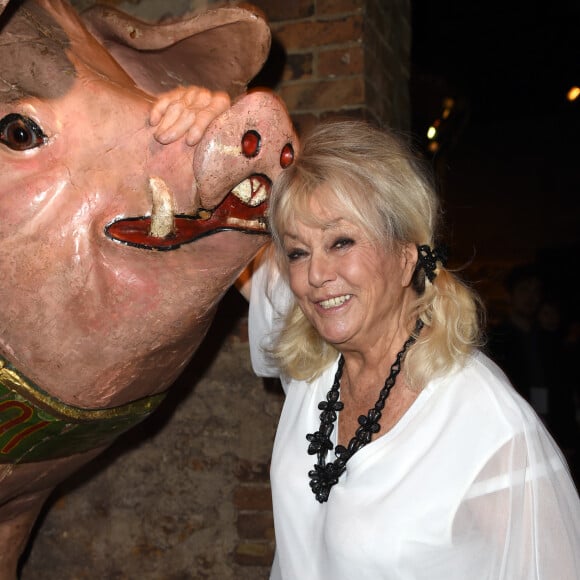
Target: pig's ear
221, 49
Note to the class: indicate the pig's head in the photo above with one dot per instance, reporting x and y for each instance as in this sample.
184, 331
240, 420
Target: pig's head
115, 249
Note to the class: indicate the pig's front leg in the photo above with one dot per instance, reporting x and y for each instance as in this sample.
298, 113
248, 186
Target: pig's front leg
15, 530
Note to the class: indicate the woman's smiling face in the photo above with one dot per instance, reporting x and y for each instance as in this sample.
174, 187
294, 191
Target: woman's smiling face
351, 289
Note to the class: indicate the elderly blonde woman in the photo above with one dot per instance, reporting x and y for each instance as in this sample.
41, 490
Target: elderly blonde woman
402, 451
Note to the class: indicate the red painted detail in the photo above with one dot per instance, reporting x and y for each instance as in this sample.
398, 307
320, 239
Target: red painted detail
188, 228
251, 143
287, 156
22, 435
23, 416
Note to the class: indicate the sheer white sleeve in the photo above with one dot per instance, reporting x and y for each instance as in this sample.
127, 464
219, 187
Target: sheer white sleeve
525, 508
270, 299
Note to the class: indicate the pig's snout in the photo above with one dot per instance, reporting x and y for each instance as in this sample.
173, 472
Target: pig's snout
256, 189
254, 137
235, 163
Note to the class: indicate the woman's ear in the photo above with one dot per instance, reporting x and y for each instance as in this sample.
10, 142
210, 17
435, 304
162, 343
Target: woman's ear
409, 257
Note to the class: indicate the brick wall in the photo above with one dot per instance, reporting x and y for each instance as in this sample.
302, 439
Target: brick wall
341, 58
255, 526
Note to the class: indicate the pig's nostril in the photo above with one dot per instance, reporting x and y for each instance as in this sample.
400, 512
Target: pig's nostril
251, 143
287, 156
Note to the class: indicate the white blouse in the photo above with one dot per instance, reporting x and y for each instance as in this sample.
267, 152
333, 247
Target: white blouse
467, 486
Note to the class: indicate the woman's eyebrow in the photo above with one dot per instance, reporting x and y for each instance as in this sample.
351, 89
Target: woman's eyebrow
325, 226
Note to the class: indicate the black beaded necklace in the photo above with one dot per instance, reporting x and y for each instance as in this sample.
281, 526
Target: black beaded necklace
325, 475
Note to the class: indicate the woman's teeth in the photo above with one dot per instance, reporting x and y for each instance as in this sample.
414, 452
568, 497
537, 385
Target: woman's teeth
334, 302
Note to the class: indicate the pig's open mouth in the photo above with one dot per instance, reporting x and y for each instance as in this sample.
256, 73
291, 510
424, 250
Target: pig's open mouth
243, 210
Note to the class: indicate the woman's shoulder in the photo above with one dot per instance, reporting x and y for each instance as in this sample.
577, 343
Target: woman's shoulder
481, 391
478, 369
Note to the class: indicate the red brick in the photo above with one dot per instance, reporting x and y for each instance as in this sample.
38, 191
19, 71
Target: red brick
324, 95
253, 498
340, 62
256, 526
325, 7
303, 35
202, 464
285, 9
254, 554
304, 122
253, 472
298, 67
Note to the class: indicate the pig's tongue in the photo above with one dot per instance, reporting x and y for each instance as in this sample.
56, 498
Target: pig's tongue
243, 209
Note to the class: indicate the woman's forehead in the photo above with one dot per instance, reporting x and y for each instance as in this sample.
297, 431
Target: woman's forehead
320, 206
317, 213
325, 208
315, 221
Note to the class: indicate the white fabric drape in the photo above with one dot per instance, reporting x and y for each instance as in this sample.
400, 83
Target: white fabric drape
467, 486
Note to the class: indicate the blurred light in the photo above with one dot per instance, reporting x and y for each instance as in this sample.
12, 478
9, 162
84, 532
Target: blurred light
448, 104
573, 93
440, 132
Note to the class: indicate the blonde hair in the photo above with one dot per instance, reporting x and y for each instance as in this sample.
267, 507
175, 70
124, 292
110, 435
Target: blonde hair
375, 181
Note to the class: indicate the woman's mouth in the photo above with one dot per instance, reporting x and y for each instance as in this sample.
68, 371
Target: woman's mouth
334, 302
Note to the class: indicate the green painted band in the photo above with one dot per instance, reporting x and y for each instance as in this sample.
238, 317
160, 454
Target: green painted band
34, 426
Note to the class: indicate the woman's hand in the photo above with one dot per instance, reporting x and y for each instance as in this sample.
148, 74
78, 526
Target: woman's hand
186, 111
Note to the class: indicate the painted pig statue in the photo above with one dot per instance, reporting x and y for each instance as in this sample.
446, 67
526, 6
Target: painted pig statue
114, 249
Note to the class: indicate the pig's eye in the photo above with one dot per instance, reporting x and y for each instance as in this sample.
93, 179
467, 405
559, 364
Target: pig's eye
20, 133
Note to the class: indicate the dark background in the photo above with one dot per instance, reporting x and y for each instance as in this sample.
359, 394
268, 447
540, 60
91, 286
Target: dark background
508, 157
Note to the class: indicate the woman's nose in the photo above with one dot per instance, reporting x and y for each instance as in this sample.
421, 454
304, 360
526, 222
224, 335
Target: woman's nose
321, 269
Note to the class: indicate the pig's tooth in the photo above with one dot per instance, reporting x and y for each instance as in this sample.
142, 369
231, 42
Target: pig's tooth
162, 210
248, 224
243, 191
251, 191
259, 192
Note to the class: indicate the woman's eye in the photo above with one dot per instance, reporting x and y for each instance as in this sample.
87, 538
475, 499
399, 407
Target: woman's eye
295, 254
20, 133
341, 243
